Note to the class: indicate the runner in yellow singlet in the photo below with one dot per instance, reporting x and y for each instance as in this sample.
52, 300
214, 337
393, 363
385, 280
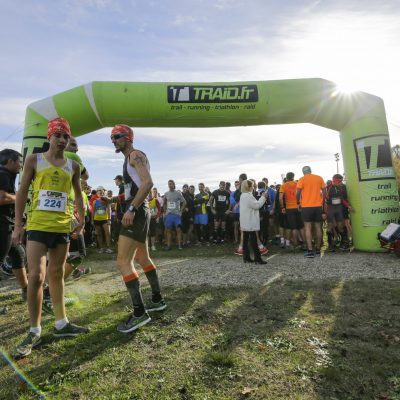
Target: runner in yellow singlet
102, 219
49, 225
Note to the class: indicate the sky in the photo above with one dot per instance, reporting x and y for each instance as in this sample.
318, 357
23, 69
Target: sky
48, 47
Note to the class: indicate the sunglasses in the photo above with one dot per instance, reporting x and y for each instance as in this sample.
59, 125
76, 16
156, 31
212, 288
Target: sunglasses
118, 136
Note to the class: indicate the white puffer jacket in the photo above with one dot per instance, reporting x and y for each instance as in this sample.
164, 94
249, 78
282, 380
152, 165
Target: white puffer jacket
249, 215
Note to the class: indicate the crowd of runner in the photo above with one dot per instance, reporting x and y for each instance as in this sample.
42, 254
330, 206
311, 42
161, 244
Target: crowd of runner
64, 215
198, 216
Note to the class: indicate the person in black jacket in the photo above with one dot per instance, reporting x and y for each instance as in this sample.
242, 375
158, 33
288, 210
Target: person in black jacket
10, 166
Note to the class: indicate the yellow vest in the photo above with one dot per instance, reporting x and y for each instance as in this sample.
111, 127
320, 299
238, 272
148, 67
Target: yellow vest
50, 208
100, 210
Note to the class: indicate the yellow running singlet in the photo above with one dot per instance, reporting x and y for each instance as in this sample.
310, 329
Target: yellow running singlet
51, 187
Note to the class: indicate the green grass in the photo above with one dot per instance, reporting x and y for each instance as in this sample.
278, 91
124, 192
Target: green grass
291, 340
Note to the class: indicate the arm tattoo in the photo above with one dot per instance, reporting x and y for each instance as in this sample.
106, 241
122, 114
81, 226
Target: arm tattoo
139, 159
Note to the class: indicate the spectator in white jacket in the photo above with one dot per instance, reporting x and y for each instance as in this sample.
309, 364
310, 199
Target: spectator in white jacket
250, 221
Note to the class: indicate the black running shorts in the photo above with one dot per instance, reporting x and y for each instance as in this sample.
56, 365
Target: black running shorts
335, 213
220, 216
50, 239
100, 223
311, 214
186, 220
140, 228
234, 216
152, 227
293, 218
15, 253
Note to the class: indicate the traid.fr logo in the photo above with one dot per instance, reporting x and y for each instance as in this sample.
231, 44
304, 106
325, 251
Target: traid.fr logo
374, 161
213, 94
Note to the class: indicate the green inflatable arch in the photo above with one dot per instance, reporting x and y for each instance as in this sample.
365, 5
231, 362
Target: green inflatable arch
359, 118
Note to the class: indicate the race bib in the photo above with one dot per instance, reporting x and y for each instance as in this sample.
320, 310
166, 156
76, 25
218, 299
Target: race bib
221, 198
127, 191
153, 212
100, 211
336, 201
171, 205
51, 201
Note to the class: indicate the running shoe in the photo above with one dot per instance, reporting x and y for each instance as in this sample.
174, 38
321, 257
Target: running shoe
309, 254
159, 306
6, 269
85, 270
76, 274
263, 250
344, 246
239, 251
134, 323
100, 251
108, 250
26, 346
180, 248
153, 248
317, 252
74, 260
47, 306
70, 330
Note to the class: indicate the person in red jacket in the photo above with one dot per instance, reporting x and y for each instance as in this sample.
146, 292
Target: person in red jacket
335, 205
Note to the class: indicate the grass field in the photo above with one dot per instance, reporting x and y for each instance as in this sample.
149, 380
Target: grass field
290, 339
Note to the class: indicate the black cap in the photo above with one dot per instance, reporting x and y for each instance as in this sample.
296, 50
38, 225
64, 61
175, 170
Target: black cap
118, 177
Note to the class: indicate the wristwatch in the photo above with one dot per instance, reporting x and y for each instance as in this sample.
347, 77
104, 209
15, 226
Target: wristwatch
132, 208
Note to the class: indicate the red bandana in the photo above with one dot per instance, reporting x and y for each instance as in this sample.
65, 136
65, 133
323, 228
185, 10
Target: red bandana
336, 181
123, 130
58, 125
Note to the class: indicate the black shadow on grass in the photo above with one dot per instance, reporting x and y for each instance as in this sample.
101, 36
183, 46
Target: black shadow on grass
260, 315
11, 330
80, 350
259, 318
363, 349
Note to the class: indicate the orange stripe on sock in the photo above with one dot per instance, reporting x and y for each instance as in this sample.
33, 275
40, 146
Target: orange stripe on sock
131, 277
149, 268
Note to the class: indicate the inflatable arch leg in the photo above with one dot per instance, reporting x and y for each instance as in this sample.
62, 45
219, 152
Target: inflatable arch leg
359, 118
